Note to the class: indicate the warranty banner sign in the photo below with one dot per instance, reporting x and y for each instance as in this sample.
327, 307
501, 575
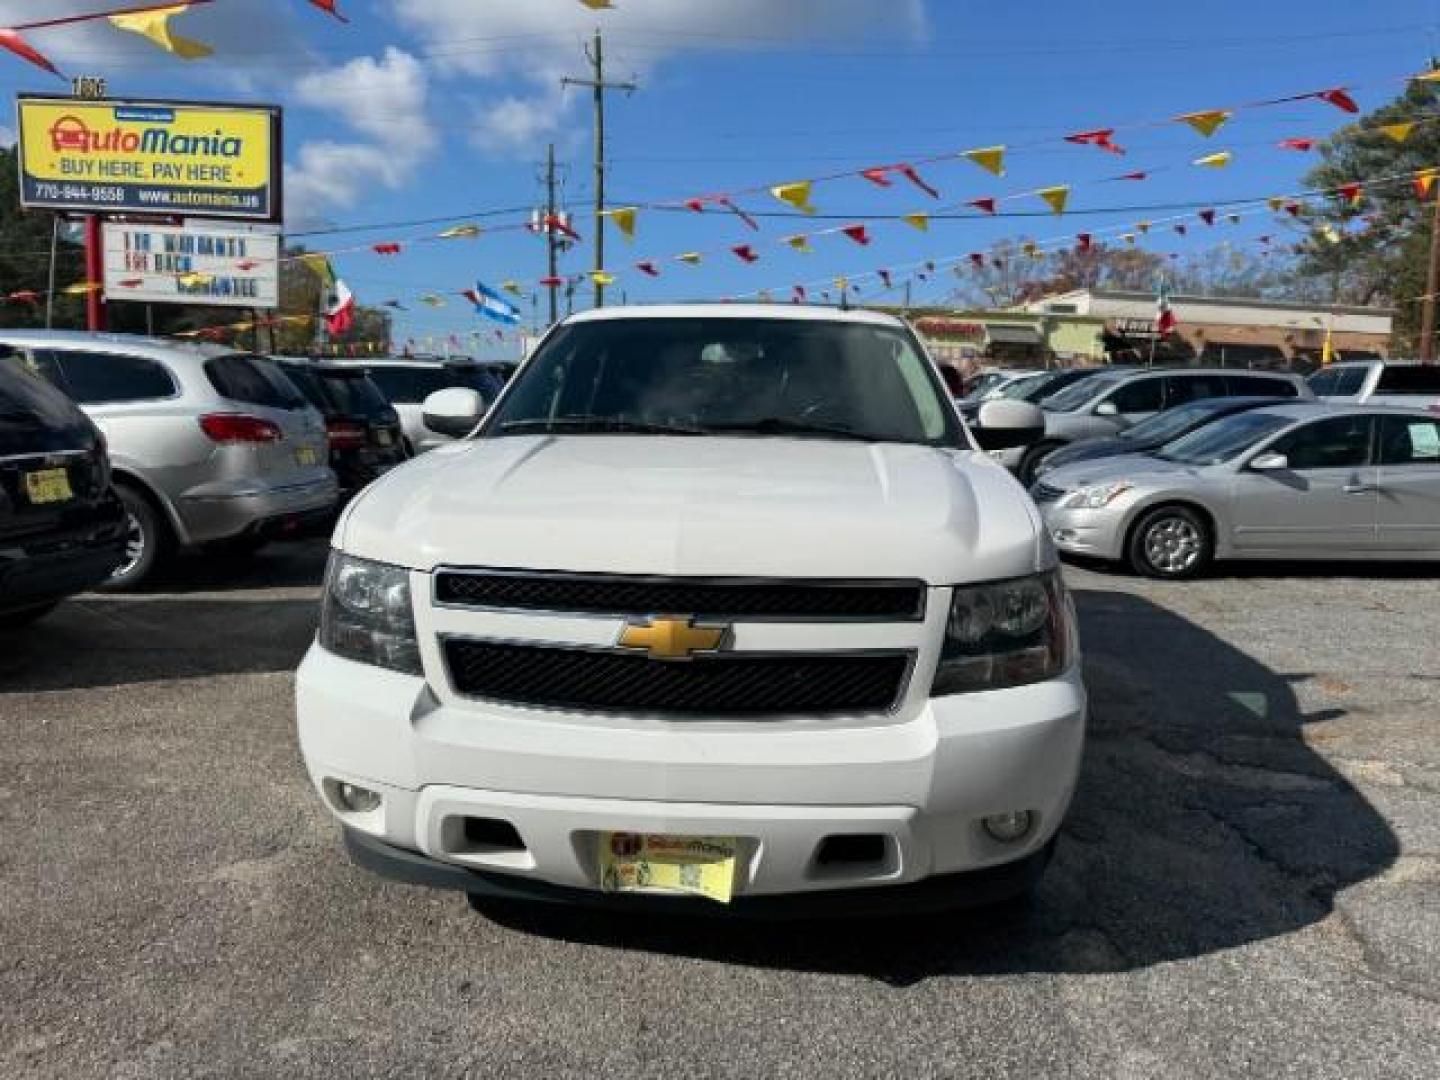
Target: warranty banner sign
201, 263
157, 157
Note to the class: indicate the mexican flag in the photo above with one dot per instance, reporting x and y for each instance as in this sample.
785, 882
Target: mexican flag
1165, 321
339, 308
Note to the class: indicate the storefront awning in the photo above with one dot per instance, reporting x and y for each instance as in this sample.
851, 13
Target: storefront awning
1012, 335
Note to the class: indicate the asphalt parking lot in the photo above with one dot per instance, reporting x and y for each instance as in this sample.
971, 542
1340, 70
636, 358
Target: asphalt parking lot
1249, 884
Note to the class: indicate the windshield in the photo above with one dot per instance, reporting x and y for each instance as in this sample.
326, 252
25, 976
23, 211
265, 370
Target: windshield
1162, 427
731, 376
1079, 394
1016, 388
1224, 439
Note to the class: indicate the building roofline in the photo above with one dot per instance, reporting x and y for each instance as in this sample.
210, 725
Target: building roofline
1230, 301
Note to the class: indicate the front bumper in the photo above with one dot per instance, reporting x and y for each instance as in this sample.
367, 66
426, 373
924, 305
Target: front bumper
1099, 534
922, 779
254, 507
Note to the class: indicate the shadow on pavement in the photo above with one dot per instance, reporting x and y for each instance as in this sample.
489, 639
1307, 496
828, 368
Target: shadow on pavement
1202, 822
1359, 570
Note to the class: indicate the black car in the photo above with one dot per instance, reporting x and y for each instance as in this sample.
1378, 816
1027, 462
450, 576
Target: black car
361, 425
62, 529
1155, 432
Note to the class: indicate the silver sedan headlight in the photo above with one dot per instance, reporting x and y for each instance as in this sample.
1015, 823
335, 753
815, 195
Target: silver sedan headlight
1095, 496
1006, 633
365, 614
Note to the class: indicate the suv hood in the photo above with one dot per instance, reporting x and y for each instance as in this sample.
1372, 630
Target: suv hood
701, 506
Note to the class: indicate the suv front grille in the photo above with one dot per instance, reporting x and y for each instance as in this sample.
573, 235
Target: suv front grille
730, 598
729, 684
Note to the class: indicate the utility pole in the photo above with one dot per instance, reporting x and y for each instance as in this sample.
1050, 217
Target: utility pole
1432, 284
552, 242
596, 55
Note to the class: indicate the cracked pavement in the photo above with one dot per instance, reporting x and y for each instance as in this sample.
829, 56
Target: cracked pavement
1249, 883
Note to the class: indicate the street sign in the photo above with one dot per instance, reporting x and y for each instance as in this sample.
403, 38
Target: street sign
200, 263
156, 157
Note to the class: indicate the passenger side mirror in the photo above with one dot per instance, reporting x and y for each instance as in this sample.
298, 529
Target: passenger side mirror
454, 411
1107, 408
1007, 423
1269, 462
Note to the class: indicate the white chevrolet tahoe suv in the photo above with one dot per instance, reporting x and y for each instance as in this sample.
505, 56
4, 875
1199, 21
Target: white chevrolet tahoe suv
715, 604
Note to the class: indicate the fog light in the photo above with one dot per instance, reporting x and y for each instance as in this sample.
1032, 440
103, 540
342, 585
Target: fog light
1007, 828
355, 799
1064, 536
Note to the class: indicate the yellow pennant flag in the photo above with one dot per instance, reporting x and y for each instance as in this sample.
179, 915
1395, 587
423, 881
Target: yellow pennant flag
842, 284
1275, 202
1214, 161
242, 326
1143, 226
457, 232
599, 5
989, 158
1206, 122
796, 194
602, 277
690, 258
624, 218
511, 287
917, 221
1030, 249
1056, 197
800, 242
1331, 234
1424, 181
195, 278
82, 288
1398, 132
433, 300
155, 25
1428, 76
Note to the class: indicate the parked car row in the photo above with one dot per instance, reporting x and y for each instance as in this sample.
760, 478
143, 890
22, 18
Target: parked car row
117, 451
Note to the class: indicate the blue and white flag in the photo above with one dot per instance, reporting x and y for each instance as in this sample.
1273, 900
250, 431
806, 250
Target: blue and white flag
493, 306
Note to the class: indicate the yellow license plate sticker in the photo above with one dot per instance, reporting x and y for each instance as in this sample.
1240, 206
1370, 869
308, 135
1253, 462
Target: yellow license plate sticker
650, 862
48, 486
307, 455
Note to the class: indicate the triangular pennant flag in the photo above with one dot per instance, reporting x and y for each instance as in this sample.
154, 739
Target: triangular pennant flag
978, 259
459, 232
1424, 181
1263, 239
1214, 161
910, 173
879, 176
1275, 202
556, 223
841, 284
512, 287
388, 303
1056, 197
1427, 76
1302, 145
1135, 176
1331, 234
24, 296
432, 300
1182, 230
1293, 209
554, 281
1206, 122
989, 158
1398, 132
1030, 248
800, 242
885, 277
690, 258
796, 195
647, 268
799, 292
859, 233
696, 204
82, 288
1101, 138
1143, 226
1340, 98
385, 249
1082, 241
11, 40
155, 25
1207, 216
602, 277
1234, 219
745, 253
986, 204
246, 264
330, 8
624, 219
917, 221
1352, 192
1129, 238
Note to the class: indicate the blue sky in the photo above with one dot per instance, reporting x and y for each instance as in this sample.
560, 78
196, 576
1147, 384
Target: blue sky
431, 108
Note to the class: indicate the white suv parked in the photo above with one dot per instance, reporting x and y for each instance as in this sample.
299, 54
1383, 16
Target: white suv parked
719, 601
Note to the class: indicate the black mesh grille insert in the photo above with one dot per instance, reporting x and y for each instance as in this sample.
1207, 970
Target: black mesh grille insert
878, 601
728, 685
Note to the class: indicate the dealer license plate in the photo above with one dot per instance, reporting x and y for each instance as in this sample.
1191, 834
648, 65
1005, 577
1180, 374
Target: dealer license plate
307, 455
48, 486
648, 862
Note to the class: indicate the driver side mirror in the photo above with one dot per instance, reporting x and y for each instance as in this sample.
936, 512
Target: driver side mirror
1007, 423
1107, 408
455, 411
1270, 462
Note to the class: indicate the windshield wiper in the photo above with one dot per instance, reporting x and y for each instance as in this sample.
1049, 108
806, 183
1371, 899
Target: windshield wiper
779, 425
571, 425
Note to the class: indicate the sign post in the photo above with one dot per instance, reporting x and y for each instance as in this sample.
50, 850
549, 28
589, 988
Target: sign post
94, 275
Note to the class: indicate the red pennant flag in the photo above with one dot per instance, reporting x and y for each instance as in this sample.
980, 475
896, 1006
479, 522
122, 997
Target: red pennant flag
885, 277
555, 223
745, 253
330, 8
1135, 176
647, 268
909, 172
1207, 216
1340, 98
698, 205
472, 295
724, 201
799, 294
386, 249
1293, 209
859, 233
1351, 192
552, 282
1181, 230
1296, 144
24, 296
11, 40
986, 204
1082, 241
978, 259
879, 175
246, 264
1100, 138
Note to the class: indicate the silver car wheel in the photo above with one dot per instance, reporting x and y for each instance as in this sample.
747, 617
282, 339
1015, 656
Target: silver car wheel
134, 546
1173, 545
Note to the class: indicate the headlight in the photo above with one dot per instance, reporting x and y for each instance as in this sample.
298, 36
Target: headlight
1096, 496
1006, 633
365, 614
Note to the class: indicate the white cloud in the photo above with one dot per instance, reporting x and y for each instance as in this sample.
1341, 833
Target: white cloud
383, 99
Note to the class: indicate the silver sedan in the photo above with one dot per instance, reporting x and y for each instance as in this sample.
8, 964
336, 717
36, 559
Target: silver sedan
1299, 481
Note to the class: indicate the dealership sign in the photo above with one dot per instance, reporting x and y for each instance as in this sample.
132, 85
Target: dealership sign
171, 158
197, 264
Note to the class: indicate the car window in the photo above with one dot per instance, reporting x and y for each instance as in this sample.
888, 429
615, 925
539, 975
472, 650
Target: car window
95, 378
1259, 386
1409, 441
306, 382
253, 380
1171, 424
1337, 443
410, 385
1180, 389
1224, 439
1079, 394
35, 417
1404, 379
353, 393
1140, 395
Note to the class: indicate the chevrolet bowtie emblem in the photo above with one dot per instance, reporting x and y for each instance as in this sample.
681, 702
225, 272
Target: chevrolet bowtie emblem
672, 638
